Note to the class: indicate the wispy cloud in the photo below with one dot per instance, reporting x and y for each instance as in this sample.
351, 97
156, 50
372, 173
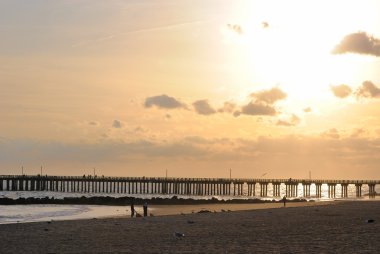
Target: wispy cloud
136, 30
331, 133
235, 28
336, 152
307, 110
292, 121
228, 107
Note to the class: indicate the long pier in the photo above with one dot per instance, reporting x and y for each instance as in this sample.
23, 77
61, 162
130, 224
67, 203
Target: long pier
183, 186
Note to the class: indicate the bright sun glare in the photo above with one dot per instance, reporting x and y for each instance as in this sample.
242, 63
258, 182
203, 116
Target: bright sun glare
293, 50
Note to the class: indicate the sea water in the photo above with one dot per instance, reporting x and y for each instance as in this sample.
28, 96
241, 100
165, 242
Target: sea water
34, 213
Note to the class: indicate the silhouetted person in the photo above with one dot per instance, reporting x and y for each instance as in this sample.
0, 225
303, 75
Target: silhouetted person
284, 200
145, 206
132, 208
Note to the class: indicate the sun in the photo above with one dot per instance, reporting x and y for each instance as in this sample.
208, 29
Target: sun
293, 49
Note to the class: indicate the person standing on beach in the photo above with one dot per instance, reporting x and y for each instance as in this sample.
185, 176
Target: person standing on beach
145, 206
132, 208
284, 200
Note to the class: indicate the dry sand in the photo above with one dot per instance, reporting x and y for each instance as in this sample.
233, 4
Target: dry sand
339, 227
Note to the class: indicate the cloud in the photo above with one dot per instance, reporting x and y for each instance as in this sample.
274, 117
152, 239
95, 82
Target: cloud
228, 107
269, 96
202, 107
93, 123
356, 133
332, 133
262, 103
117, 124
294, 120
235, 28
265, 24
360, 43
256, 109
341, 91
307, 110
368, 90
163, 101
344, 157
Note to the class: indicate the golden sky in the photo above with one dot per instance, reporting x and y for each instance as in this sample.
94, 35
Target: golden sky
194, 87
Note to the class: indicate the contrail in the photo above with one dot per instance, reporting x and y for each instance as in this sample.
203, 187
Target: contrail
139, 30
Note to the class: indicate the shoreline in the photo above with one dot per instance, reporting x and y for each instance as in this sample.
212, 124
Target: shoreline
122, 201
164, 210
32, 213
335, 227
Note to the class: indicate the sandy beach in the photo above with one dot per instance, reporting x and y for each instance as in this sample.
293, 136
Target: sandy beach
325, 227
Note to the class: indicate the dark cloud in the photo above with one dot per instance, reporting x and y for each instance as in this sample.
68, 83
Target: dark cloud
256, 109
117, 124
307, 110
269, 96
368, 90
92, 123
294, 120
163, 101
236, 28
262, 103
360, 43
341, 91
202, 107
265, 24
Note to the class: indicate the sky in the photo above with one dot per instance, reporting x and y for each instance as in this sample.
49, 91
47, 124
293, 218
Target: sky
191, 88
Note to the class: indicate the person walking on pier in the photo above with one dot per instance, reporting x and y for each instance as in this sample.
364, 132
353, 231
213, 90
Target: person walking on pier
132, 208
145, 206
284, 200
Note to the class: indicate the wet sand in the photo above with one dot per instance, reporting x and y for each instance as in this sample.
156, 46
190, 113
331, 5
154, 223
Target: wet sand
158, 210
337, 227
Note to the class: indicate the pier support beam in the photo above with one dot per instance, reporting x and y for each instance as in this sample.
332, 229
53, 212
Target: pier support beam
318, 190
372, 192
306, 190
291, 189
251, 189
263, 189
276, 189
344, 190
358, 190
331, 190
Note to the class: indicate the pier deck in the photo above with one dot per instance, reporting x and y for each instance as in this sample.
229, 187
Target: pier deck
181, 186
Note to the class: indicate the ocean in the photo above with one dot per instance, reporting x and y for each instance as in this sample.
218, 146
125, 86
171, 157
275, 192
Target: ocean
35, 213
